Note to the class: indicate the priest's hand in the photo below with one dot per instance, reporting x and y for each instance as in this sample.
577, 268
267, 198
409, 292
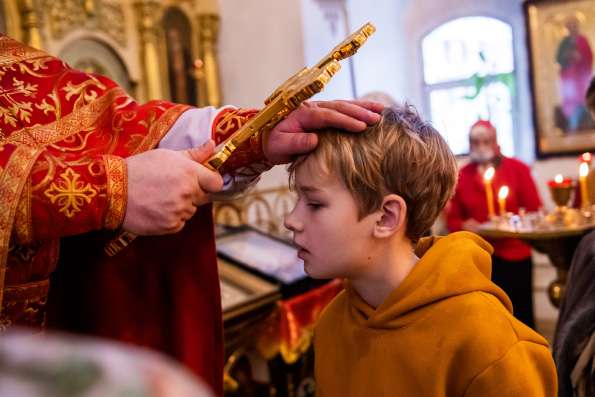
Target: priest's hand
296, 134
165, 187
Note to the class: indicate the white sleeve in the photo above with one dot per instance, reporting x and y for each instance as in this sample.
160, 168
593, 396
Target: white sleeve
192, 129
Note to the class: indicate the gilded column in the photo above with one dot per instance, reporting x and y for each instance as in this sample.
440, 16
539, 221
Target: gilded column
149, 14
30, 23
208, 25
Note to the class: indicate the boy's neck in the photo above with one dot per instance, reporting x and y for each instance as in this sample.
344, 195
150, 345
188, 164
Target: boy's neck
390, 267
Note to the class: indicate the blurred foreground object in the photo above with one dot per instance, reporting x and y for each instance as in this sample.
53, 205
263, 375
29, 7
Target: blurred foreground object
60, 365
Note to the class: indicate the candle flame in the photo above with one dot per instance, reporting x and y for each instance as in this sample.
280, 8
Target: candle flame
583, 170
586, 157
489, 174
503, 192
559, 178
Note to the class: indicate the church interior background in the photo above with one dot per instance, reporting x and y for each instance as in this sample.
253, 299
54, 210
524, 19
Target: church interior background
217, 52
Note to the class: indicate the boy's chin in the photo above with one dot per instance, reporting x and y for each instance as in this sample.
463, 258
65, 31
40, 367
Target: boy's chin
314, 273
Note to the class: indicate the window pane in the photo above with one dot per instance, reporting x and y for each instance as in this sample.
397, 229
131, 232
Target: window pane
453, 114
452, 51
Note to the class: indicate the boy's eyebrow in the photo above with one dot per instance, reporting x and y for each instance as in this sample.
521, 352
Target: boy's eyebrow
308, 189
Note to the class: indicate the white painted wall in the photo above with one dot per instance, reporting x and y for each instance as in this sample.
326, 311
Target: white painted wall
381, 64
260, 45
320, 37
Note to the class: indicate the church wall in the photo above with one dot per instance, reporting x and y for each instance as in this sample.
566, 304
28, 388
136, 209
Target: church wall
382, 65
260, 45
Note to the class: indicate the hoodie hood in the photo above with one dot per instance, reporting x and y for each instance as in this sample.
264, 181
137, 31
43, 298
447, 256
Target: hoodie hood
449, 266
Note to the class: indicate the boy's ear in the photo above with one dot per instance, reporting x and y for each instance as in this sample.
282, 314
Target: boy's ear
393, 215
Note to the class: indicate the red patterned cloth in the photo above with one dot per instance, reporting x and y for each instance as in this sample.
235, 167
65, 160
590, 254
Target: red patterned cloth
289, 329
64, 135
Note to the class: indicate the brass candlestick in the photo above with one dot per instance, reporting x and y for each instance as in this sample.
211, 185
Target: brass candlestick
561, 193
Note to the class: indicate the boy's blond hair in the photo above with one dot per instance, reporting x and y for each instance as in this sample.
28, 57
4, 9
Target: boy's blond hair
401, 154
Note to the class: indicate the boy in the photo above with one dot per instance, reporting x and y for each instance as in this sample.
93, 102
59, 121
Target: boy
418, 317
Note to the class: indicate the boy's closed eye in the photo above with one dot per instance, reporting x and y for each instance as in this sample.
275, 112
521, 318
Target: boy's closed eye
313, 196
315, 205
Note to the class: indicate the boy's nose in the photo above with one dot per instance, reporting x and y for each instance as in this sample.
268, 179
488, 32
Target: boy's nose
291, 223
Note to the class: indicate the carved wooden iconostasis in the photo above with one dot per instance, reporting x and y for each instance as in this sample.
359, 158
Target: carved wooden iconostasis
155, 49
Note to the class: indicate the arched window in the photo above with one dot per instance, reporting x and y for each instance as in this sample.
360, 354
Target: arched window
469, 74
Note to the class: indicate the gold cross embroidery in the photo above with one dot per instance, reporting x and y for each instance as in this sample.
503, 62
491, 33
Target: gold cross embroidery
71, 193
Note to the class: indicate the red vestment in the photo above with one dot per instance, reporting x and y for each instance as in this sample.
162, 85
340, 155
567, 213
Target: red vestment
64, 135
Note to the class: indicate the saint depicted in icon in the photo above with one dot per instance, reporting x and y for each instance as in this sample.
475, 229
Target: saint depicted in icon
575, 58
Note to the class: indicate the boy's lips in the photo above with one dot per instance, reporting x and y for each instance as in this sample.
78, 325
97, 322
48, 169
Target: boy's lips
301, 250
302, 253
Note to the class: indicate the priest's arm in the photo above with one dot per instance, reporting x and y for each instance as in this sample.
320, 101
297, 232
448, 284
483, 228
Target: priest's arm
65, 135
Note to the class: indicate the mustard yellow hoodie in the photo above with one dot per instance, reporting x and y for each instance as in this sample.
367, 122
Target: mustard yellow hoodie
447, 330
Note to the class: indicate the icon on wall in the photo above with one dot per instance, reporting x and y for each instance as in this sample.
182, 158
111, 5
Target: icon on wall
561, 41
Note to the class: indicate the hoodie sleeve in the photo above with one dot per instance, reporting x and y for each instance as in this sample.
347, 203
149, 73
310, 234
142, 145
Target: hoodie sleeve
527, 370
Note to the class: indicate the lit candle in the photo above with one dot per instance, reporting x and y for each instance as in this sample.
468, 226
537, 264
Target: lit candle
586, 158
559, 179
502, 194
583, 172
487, 181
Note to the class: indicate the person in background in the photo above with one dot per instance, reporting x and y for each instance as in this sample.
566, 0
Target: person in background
512, 268
379, 97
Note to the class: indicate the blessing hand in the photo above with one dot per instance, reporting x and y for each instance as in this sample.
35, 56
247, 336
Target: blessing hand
295, 135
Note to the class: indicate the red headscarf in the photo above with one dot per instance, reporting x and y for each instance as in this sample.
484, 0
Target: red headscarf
483, 123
